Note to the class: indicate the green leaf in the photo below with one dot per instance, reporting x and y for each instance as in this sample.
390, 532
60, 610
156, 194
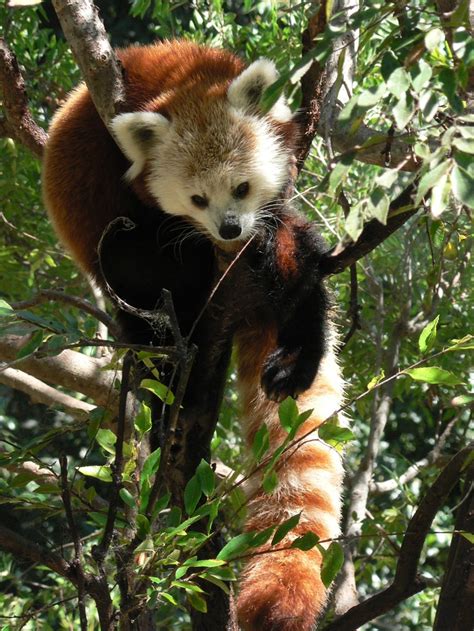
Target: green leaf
171, 599
33, 343
159, 389
106, 439
378, 206
204, 563
433, 39
5, 309
376, 380
197, 602
192, 495
398, 82
430, 179
206, 477
216, 581
429, 103
421, 74
464, 144
434, 375
236, 546
288, 413
261, 442
403, 110
333, 559
150, 466
143, 526
354, 223
127, 498
306, 541
440, 196
468, 535
335, 434
270, 481
143, 419
262, 537
462, 399
284, 528
463, 186
99, 472
428, 336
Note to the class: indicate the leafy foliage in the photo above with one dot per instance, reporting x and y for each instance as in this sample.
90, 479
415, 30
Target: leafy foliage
411, 80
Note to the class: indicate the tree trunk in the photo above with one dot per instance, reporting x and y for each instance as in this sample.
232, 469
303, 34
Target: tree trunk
456, 601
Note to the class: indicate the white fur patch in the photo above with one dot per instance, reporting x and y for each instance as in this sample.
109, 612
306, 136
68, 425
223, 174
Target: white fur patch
246, 90
130, 131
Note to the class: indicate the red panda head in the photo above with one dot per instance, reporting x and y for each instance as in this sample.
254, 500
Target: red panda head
215, 157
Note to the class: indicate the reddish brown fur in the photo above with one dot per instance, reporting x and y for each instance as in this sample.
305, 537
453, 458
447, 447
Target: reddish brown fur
282, 590
285, 251
163, 78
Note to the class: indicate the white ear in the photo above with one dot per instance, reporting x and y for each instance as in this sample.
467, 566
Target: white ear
136, 134
246, 90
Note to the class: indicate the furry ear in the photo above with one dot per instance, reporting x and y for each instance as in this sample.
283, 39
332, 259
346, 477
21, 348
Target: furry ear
246, 90
136, 134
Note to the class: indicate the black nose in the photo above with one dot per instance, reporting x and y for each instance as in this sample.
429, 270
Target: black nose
230, 228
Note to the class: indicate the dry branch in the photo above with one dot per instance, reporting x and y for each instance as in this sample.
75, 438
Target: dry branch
18, 122
69, 369
94, 55
40, 392
407, 581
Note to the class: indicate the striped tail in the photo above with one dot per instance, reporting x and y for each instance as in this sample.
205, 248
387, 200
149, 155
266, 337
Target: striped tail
283, 591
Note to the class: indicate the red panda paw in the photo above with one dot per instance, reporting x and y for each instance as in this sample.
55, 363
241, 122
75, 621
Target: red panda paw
285, 375
280, 595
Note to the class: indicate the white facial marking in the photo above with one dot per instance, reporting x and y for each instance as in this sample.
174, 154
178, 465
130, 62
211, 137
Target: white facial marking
196, 161
136, 133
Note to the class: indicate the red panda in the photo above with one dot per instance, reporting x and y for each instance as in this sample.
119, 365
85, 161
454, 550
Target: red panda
197, 167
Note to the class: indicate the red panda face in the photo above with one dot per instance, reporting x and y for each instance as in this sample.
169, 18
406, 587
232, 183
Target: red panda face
218, 161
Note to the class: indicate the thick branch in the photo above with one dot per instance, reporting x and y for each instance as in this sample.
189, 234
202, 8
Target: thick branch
456, 601
312, 85
69, 369
406, 581
40, 392
18, 121
21, 547
94, 55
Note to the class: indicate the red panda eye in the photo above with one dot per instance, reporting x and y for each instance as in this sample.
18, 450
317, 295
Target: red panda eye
200, 202
241, 190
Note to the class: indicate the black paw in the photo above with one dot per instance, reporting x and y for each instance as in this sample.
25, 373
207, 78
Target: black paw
286, 374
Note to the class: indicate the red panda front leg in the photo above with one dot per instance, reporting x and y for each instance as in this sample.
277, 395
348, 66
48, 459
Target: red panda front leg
282, 590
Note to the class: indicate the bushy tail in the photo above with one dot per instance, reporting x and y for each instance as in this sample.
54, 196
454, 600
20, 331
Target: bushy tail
282, 590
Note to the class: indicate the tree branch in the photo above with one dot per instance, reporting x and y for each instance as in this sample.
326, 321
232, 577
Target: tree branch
407, 582
312, 85
21, 547
94, 55
39, 392
456, 601
69, 369
343, 255
413, 471
47, 295
18, 121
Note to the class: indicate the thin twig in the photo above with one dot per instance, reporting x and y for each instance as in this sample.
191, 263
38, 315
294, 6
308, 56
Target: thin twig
66, 497
46, 295
117, 467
